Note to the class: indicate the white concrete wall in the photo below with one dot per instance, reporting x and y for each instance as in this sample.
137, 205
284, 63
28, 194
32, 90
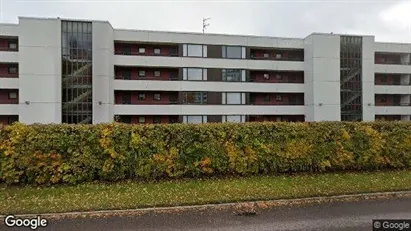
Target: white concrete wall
155, 85
322, 77
210, 39
368, 78
392, 110
155, 61
388, 89
207, 110
40, 70
103, 72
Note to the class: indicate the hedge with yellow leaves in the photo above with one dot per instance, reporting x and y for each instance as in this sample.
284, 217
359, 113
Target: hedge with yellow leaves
52, 154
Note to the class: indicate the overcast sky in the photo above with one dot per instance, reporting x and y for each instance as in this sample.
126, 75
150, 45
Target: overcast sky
388, 20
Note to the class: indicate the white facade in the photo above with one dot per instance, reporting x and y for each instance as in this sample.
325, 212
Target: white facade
39, 81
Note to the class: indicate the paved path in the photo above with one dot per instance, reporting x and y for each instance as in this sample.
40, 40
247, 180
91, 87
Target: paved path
331, 216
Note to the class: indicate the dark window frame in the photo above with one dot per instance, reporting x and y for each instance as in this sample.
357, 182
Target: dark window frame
12, 67
13, 92
143, 96
155, 98
159, 51
159, 73
12, 42
140, 73
157, 119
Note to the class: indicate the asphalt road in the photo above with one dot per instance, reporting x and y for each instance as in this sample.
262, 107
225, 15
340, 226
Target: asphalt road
330, 216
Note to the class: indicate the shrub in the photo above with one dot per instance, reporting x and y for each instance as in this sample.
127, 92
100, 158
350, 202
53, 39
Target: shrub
51, 154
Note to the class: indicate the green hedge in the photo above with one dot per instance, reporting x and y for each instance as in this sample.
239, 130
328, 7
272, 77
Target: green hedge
51, 154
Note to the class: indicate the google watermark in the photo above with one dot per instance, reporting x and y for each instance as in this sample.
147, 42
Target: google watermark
391, 224
32, 223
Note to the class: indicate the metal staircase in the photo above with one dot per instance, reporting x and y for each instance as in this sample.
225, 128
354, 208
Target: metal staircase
76, 74
351, 76
80, 98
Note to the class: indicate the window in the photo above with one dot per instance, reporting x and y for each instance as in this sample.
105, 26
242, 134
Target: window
12, 95
195, 98
157, 97
233, 119
266, 76
157, 51
127, 50
266, 55
173, 75
278, 56
141, 119
142, 73
142, 50
233, 98
157, 73
232, 52
141, 96
383, 79
12, 119
266, 98
383, 99
194, 50
278, 77
126, 74
194, 119
12, 45
194, 73
232, 75
173, 51
12, 70
126, 98
157, 119
279, 98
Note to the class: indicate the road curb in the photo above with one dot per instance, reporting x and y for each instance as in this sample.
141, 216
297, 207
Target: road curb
221, 206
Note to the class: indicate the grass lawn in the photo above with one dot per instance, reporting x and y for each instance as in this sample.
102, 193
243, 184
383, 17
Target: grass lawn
127, 195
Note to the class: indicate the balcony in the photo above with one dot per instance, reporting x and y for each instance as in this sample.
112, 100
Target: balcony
277, 54
276, 99
276, 77
145, 49
9, 44
276, 118
392, 100
9, 96
393, 79
8, 119
392, 58
147, 119
9, 70
145, 73
145, 97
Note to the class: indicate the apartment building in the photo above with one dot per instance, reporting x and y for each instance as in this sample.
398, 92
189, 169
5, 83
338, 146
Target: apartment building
76, 71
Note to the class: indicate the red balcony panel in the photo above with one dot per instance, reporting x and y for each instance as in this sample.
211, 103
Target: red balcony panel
8, 119
277, 99
149, 119
7, 43
127, 97
388, 117
388, 58
276, 118
165, 73
277, 54
389, 100
133, 49
6, 94
277, 77
6, 70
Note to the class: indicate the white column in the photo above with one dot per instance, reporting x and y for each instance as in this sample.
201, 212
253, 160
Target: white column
368, 78
40, 70
103, 72
322, 77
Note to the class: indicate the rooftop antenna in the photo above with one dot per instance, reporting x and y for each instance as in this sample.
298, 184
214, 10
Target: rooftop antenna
205, 24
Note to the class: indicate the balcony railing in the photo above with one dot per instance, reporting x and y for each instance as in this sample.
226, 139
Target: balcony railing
9, 49
146, 78
393, 62
276, 81
136, 53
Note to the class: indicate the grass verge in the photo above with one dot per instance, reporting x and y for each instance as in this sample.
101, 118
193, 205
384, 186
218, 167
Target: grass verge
128, 195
